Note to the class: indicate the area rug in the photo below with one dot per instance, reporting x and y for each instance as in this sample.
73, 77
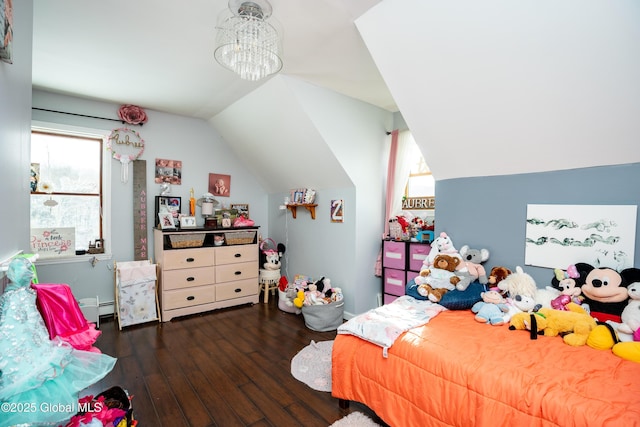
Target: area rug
312, 365
355, 419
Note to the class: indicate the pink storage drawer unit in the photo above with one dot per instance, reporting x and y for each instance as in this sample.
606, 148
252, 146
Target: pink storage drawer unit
412, 275
394, 281
394, 255
418, 252
389, 298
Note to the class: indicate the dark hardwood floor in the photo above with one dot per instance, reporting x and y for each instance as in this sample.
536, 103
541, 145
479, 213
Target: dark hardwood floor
228, 367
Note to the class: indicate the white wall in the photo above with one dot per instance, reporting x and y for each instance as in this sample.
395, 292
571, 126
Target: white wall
15, 135
354, 132
193, 141
497, 87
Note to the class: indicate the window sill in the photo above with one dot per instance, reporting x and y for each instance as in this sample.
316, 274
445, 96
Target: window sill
73, 259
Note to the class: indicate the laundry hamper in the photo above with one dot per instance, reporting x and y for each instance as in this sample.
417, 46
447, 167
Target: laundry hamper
323, 317
136, 292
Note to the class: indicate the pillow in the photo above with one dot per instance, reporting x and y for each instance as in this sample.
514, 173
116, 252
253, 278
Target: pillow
453, 300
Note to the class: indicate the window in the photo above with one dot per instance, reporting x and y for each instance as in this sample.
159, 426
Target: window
69, 176
420, 182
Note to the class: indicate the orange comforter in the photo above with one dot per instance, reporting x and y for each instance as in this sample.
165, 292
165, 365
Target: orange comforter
455, 371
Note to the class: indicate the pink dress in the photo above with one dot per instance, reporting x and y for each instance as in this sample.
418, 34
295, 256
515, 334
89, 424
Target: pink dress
63, 317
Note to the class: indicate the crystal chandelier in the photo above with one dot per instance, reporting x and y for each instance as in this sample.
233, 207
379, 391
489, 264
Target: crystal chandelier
245, 43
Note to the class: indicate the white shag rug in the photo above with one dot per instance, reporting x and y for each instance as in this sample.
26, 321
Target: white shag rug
355, 419
312, 365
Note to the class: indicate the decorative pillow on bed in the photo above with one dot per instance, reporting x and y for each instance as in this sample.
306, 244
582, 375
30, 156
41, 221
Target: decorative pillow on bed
453, 300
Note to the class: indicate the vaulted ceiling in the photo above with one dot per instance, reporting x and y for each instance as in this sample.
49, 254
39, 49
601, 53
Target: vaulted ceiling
487, 88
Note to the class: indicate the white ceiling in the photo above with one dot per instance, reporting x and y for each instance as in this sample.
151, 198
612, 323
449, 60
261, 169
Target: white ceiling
158, 54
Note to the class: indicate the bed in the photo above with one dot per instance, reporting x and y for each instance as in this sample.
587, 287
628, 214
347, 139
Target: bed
454, 371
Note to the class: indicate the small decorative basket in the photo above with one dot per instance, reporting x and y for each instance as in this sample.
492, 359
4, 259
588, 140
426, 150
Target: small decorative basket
241, 237
186, 240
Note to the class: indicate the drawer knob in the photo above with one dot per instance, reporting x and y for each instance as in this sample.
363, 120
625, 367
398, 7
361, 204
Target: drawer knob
190, 279
190, 259
237, 255
237, 273
237, 290
190, 298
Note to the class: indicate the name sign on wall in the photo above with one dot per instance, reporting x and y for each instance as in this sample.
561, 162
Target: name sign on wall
53, 242
420, 203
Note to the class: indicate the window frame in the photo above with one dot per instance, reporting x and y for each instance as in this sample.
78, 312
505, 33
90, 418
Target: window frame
105, 193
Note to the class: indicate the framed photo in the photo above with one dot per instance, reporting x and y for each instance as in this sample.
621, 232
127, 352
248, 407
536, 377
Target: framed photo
219, 185
169, 204
242, 208
187, 222
6, 30
165, 220
168, 171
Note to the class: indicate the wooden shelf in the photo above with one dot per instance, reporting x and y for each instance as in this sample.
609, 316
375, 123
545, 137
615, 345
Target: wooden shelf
310, 207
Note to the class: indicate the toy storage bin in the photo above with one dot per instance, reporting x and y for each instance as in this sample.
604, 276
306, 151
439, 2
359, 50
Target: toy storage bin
394, 255
324, 317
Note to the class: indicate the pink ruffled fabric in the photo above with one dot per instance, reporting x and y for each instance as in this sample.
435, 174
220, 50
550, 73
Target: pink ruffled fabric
63, 317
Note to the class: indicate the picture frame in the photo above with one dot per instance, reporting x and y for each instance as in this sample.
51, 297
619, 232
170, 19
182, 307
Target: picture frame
169, 171
171, 204
187, 222
219, 184
6, 31
165, 220
242, 208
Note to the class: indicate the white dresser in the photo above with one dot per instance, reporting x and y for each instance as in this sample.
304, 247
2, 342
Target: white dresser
197, 276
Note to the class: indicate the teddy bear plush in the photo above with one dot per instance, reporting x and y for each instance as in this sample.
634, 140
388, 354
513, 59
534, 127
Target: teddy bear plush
491, 309
441, 244
497, 275
575, 324
472, 259
436, 281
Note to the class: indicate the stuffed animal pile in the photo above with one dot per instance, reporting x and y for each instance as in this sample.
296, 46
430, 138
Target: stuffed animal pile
316, 293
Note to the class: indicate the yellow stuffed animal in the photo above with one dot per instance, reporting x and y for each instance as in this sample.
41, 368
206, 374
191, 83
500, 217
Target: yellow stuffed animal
576, 322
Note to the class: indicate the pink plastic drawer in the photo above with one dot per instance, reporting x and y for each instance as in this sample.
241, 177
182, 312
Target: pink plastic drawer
417, 254
394, 281
389, 298
394, 255
411, 275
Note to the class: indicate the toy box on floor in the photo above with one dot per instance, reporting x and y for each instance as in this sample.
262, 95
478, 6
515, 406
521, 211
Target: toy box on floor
321, 304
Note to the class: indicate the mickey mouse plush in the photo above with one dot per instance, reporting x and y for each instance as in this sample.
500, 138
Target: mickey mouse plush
605, 291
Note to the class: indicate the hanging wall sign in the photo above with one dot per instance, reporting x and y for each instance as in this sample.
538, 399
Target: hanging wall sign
140, 242
126, 145
419, 203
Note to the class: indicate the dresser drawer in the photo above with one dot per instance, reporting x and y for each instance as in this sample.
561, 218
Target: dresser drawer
394, 255
241, 288
188, 258
231, 272
236, 253
188, 277
417, 254
179, 298
394, 281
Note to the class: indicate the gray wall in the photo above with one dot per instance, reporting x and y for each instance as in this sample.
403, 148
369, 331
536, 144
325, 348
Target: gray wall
490, 212
15, 135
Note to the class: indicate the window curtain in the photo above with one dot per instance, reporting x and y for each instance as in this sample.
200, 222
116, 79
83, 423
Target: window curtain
398, 168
